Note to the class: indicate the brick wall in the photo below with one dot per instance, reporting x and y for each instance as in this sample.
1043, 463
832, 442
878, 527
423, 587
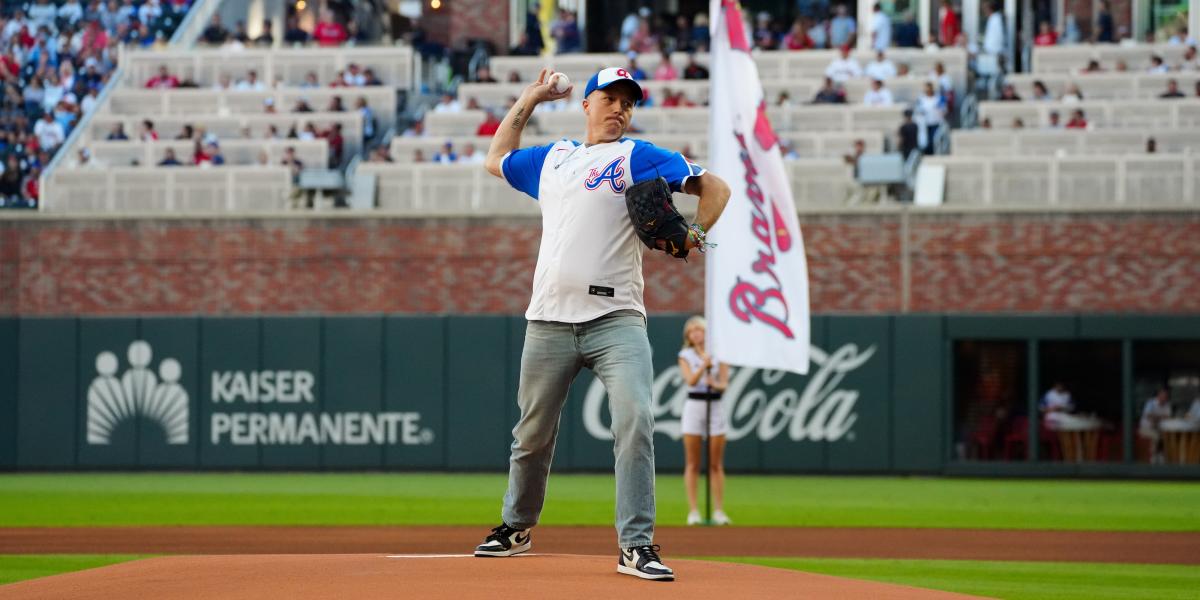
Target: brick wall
460, 20
1018, 262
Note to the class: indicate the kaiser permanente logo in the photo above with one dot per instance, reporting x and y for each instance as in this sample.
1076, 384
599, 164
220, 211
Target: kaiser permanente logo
275, 403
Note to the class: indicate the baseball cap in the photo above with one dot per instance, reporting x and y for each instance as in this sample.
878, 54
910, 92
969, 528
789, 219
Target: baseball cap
609, 76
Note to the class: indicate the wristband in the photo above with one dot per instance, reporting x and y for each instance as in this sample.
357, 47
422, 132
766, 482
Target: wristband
700, 237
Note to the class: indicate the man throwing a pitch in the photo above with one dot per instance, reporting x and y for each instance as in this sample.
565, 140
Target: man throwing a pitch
587, 308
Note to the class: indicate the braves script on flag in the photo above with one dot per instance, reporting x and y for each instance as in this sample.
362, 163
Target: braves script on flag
757, 277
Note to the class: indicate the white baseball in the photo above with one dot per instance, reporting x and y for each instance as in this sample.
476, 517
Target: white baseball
559, 82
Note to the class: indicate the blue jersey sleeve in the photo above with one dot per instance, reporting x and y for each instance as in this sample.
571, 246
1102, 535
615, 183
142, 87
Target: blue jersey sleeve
649, 161
523, 168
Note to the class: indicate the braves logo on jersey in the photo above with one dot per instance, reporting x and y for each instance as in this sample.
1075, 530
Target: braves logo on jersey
612, 173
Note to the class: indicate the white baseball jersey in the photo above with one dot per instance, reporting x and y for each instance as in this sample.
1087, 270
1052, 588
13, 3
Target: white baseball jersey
590, 261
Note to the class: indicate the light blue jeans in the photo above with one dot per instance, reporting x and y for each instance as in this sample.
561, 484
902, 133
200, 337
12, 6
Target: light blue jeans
615, 347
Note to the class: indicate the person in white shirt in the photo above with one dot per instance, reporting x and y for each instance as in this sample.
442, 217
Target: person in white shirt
88, 104
703, 417
994, 39
49, 133
882, 68
1189, 62
1056, 401
42, 14
881, 29
53, 91
150, 11
877, 95
250, 83
1157, 65
448, 104
844, 67
1156, 410
587, 308
71, 11
931, 112
471, 155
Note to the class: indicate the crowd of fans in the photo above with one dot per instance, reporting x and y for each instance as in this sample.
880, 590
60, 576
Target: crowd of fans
55, 58
330, 30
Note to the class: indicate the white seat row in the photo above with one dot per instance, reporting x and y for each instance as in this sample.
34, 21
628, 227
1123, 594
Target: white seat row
1074, 181
805, 118
313, 153
233, 126
468, 189
779, 65
393, 65
1105, 86
1155, 114
808, 145
983, 142
1072, 58
152, 103
801, 91
118, 190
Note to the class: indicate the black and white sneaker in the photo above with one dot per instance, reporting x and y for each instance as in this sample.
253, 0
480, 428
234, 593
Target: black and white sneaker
644, 562
505, 541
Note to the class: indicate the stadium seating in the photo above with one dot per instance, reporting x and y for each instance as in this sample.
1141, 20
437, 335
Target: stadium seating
236, 152
1104, 86
288, 66
1156, 114
153, 104
177, 189
983, 142
1070, 59
1067, 181
231, 127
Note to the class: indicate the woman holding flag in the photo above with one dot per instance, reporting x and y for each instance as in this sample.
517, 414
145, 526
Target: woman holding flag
703, 417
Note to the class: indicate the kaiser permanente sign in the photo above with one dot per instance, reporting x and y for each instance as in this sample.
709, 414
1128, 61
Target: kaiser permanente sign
421, 392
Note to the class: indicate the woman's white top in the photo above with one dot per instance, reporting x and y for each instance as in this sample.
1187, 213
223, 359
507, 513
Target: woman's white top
694, 362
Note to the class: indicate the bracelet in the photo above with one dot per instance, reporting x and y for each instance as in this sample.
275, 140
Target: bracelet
698, 235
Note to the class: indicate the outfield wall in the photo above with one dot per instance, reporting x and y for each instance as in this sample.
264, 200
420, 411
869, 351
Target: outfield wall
422, 392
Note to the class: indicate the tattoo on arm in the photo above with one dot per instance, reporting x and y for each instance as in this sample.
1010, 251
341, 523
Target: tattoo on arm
516, 124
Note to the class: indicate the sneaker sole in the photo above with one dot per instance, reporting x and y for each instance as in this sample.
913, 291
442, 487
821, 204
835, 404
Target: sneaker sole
636, 573
526, 547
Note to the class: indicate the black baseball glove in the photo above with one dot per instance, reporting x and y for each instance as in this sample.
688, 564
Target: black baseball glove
655, 219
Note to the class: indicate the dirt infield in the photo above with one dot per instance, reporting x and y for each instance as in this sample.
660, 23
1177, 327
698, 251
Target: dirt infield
967, 544
444, 577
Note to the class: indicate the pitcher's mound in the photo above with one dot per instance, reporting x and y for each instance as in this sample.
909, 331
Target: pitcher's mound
366, 576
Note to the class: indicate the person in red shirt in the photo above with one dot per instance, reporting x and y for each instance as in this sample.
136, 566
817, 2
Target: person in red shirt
164, 80
1077, 120
328, 31
1046, 35
489, 126
950, 27
797, 38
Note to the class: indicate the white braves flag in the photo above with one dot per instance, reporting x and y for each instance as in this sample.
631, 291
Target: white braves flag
757, 277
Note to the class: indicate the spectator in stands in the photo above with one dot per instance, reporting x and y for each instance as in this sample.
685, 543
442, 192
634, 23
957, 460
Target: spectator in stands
1053, 120
1009, 94
490, 124
644, 40
1120, 66
473, 103
843, 68
1041, 93
50, 134
842, 27
266, 38
1151, 146
223, 82
293, 33
1172, 90
380, 155
370, 78
525, 46
665, 71
354, 76
1072, 95
335, 105
1078, 120
448, 105
308, 133
783, 99
882, 68
328, 31
187, 132
416, 130
90, 100
471, 155
931, 109
169, 159
1056, 401
1157, 65
240, 38
310, 80
694, 70
908, 134
1155, 411
565, 31
337, 145
908, 33
483, 74
878, 95
995, 41
830, 93
446, 155
1104, 24
1046, 35
1093, 66
368, 117
881, 28
797, 37
164, 80
418, 156
986, 123
765, 37
250, 83
635, 71
117, 133
215, 34
148, 134
10, 183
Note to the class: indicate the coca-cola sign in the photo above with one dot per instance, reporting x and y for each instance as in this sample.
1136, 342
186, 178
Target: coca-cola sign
821, 411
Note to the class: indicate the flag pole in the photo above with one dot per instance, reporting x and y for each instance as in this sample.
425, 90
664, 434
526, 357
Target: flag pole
707, 454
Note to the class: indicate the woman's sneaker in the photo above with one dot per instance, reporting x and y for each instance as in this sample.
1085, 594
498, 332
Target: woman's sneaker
720, 518
505, 541
694, 518
643, 561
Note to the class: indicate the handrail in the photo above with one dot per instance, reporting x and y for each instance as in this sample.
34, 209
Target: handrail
188, 32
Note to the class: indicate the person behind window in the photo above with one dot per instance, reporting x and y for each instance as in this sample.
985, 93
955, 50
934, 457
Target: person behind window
1056, 401
1156, 410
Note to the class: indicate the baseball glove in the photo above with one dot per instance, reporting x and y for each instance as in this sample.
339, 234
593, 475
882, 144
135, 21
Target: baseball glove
655, 219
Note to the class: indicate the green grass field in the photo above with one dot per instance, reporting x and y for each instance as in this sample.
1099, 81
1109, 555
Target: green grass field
474, 499
451, 499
